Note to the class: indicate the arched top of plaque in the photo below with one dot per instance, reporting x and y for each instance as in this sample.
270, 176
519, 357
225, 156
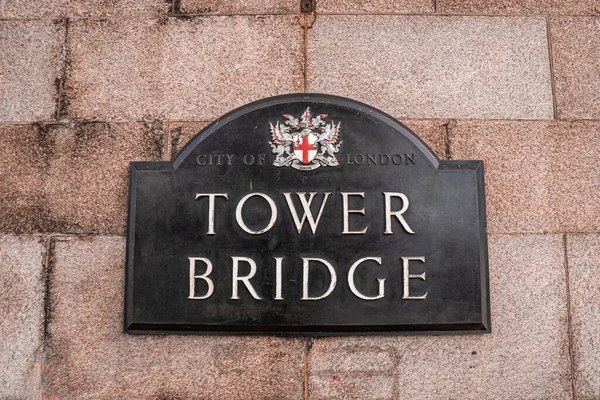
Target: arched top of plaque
306, 131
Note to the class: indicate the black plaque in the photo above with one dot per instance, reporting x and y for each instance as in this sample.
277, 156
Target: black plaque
399, 242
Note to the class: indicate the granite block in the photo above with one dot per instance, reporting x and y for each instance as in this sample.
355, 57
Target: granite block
434, 67
81, 8
23, 173
540, 176
378, 6
86, 188
352, 358
71, 177
584, 281
519, 7
575, 54
90, 357
22, 290
526, 356
238, 7
29, 69
181, 68
346, 387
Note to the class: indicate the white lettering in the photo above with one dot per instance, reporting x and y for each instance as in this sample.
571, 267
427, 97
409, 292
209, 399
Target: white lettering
347, 230
408, 275
332, 275
204, 276
240, 221
306, 207
278, 267
397, 214
211, 209
244, 279
353, 286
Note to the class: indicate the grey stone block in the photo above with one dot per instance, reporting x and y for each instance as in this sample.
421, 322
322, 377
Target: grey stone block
365, 387
540, 176
239, 7
30, 66
191, 68
86, 186
575, 53
584, 280
22, 309
81, 8
434, 67
380, 6
23, 170
518, 7
71, 177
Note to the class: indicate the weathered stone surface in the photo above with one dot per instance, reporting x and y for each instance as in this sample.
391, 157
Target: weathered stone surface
81, 8
540, 176
364, 387
584, 279
181, 132
233, 7
22, 310
190, 68
519, 7
434, 67
90, 356
86, 190
71, 178
351, 370
575, 53
431, 131
525, 356
23, 169
380, 6
355, 358
29, 68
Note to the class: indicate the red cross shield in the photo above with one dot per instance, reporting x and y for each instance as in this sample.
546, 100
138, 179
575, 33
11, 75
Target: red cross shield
306, 149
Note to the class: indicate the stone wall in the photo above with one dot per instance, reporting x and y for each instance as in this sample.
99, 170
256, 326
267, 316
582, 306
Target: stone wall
86, 86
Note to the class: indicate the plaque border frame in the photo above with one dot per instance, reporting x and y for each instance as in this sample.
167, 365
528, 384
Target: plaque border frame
478, 327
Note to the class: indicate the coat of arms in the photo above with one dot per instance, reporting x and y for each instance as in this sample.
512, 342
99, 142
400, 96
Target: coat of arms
306, 143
